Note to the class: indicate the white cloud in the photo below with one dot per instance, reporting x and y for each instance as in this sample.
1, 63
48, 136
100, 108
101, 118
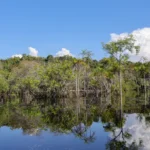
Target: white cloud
63, 52
139, 130
33, 51
142, 37
115, 37
16, 55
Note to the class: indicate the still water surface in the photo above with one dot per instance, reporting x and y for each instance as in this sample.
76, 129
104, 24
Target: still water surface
73, 127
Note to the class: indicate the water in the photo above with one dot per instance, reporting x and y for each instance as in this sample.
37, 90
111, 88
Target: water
71, 126
47, 140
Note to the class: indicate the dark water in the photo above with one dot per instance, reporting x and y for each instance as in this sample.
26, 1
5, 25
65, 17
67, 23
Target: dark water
72, 125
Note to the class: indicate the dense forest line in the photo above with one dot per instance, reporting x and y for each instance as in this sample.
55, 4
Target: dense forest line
35, 77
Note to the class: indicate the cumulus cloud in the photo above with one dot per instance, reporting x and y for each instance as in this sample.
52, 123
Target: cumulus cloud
142, 37
17, 55
63, 52
33, 51
139, 130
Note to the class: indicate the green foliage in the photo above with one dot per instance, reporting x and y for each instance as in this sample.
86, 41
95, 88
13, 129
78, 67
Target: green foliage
4, 85
119, 49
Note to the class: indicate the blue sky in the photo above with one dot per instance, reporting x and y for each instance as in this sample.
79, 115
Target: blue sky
50, 25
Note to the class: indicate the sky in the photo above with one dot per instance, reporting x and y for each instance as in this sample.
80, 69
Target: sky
44, 27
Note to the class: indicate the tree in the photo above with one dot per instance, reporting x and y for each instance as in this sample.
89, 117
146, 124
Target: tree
120, 50
49, 58
78, 67
143, 68
4, 86
86, 56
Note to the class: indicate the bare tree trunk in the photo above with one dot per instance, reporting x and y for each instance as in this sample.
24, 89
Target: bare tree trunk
145, 89
120, 84
110, 96
101, 99
76, 84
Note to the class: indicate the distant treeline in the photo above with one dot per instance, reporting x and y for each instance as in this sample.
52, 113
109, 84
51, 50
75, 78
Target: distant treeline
31, 77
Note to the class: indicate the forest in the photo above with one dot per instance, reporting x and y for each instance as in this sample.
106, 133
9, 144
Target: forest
47, 77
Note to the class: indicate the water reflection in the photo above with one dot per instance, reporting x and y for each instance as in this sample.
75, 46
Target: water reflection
34, 117
95, 122
135, 133
83, 133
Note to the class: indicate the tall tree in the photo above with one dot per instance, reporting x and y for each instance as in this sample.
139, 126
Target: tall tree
86, 56
120, 50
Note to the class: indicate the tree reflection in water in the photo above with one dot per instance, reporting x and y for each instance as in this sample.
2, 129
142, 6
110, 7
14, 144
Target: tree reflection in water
76, 116
119, 141
58, 118
121, 137
82, 132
